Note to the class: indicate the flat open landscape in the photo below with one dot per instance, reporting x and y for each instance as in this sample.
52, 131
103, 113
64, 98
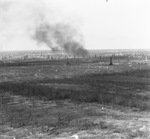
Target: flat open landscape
74, 69
91, 99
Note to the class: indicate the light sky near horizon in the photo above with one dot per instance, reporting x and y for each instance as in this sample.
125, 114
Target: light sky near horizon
116, 24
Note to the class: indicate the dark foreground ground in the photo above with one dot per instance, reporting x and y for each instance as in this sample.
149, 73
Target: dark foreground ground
91, 100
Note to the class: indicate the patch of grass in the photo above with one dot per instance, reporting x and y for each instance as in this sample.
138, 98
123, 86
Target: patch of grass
144, 73
124, 92
82, 124
101, 95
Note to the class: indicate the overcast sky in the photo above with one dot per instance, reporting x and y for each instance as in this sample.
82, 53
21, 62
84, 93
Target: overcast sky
116, 24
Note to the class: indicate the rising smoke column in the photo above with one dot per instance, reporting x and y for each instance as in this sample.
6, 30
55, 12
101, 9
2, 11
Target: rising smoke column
60, 36
31, 22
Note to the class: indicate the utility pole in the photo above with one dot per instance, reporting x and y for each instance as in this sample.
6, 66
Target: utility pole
111, 63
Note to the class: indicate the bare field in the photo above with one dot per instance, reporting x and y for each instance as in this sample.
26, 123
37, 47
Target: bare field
90, 99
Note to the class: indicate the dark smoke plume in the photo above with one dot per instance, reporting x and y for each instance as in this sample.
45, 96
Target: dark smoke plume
60, 36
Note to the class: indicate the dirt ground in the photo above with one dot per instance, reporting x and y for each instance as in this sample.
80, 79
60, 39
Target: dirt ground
87, 120
23, 117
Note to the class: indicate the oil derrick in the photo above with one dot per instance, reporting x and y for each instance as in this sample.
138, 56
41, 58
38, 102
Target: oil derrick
67, 61
111, 63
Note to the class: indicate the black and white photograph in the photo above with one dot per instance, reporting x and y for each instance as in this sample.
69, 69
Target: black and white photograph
74, 69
